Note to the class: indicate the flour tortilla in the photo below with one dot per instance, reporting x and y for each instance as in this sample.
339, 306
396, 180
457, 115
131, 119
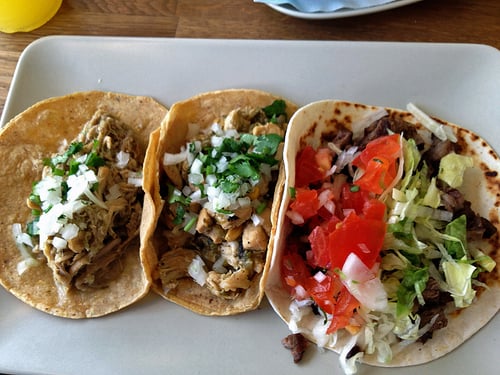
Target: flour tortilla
203, 110
33, 135
317, 121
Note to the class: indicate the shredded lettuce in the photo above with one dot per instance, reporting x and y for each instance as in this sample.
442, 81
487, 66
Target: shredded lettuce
457, 230
452, 168
458, 276
412, 285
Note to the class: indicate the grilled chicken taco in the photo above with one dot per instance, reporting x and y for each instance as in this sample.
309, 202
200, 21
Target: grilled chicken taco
387, 240
72, 202
212, 185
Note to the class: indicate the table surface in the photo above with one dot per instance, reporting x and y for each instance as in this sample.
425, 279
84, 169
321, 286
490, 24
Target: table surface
449, 21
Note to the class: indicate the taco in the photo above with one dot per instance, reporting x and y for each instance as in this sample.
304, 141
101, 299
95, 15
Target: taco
212, 186
72, 202
387, 239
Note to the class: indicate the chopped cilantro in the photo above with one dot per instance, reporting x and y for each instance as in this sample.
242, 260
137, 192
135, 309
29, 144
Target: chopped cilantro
63, 158
94, 160
179, 214
274, 110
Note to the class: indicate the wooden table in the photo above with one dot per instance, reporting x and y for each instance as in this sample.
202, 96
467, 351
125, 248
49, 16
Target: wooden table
450, 21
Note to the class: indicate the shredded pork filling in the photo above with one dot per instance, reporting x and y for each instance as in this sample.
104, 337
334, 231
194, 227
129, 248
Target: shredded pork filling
106, 216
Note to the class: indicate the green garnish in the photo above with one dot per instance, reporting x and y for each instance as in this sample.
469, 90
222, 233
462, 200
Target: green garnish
190, 224
63, 158
275, 109
261, 207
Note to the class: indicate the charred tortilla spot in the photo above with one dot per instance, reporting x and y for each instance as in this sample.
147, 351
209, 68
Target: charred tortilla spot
493, 154
347, 120
310, 133
360, 106
491, 173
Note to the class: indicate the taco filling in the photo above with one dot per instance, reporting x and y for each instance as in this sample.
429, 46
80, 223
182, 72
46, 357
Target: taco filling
86, 208
382, 245
220, 194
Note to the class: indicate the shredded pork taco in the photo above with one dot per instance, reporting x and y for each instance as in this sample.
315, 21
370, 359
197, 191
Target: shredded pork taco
212, 181
72, 202
387, 243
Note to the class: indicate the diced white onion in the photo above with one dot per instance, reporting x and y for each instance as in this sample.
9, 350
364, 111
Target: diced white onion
211, 179
186, 190
330, 206
346, 157
222, 164
324, 197
216, 129
196, 166
69, 231
26, 263
300, 292
114, 192
172, 159
197, 271
295, 217
216, 141
195, 178
122, 159
244, 202
20, 237
195, 196
319, 276
257, 220
219, 265
231, 133
135, 179
364, 284
59, 243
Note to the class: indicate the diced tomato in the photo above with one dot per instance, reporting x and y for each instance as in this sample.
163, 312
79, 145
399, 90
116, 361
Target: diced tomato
345, 306
387, 147
378, 175
374, 209
294, 271
307, 170
323, 292
305, 203
319, 247
353, 198
324, 158
378, 161
358, 235
351, 221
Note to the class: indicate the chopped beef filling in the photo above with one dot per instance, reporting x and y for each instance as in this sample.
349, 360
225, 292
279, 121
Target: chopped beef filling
297, 343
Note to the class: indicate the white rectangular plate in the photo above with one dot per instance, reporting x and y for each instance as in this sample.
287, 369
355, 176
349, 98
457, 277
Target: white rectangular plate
458, 83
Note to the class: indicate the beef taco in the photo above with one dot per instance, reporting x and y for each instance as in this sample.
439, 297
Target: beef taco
387, 241
72, 202
212, 185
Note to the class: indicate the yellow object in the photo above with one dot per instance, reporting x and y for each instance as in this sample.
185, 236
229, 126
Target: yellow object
26, 15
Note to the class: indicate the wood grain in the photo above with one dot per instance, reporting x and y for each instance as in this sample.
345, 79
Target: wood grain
448, 21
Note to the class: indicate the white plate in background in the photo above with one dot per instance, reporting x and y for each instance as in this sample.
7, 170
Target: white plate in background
341, 13
454, 81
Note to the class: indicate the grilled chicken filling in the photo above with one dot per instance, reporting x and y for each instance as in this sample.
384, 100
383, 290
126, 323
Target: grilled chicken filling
218, 218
